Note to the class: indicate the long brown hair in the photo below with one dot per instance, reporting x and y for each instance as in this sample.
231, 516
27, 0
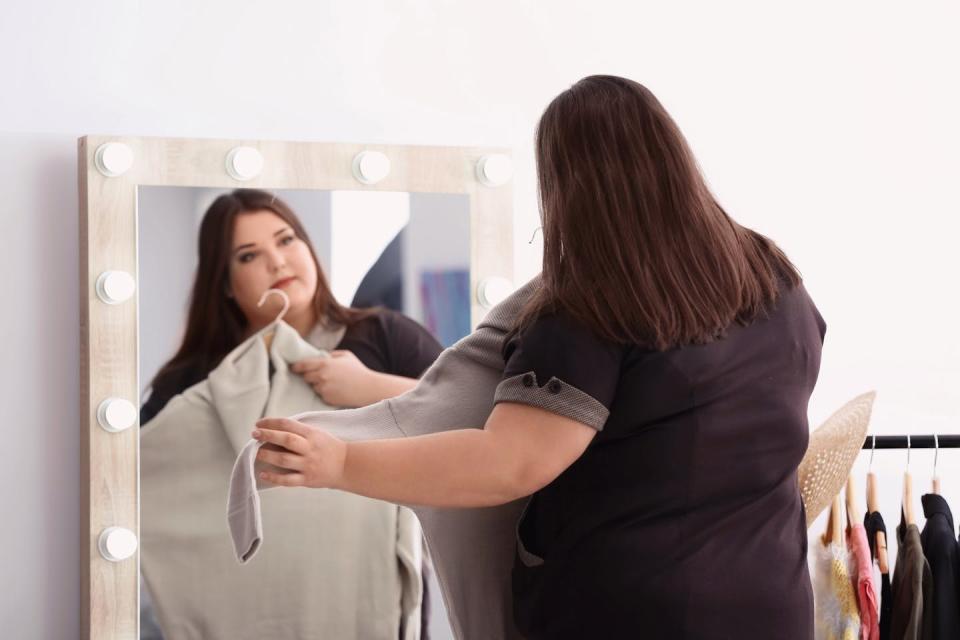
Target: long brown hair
215, 322
636, 248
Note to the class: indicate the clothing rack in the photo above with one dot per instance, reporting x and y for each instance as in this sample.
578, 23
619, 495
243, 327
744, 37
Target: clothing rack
916, 442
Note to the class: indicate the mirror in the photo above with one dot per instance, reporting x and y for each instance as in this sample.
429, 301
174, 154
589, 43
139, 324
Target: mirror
420, 239
408, 253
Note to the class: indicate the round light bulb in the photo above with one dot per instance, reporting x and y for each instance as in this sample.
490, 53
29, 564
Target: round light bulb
113, 159
370, 167
114, 287
116, 414
493, 291
244, 163
494, 170
117, 543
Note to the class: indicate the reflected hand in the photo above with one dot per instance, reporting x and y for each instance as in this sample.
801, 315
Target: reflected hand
341, 379
306, 456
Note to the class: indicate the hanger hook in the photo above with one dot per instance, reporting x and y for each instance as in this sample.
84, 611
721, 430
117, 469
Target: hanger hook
873, 449
286, 303
908, 452
936, 453
534, 234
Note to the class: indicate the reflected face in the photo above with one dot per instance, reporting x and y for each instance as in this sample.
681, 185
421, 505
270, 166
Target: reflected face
266, 253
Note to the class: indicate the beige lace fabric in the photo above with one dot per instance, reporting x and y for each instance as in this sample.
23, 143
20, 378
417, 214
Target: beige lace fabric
836, 613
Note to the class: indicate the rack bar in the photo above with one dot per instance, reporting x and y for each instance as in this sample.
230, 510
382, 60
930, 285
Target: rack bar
916, 442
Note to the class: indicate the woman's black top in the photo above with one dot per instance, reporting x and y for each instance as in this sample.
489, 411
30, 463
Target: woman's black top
386, 342
683, 518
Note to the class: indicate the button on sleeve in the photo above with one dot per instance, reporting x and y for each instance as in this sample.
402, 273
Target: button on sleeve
562, 367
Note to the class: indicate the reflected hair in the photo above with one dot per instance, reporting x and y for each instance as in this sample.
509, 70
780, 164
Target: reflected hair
636, 248
215, 322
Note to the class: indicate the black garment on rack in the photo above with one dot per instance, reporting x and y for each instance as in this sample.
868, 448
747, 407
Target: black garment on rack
873, 523
941, 551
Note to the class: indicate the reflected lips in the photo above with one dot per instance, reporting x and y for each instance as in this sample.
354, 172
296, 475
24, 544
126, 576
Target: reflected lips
279, 284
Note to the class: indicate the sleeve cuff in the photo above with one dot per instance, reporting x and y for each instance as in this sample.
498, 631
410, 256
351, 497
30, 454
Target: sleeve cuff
556, 397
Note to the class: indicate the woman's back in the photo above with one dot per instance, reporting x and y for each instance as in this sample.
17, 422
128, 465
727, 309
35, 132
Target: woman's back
683, 518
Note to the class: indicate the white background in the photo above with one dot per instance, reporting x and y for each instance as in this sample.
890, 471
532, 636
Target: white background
831, 127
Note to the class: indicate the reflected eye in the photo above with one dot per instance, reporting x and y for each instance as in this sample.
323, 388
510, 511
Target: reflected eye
287, 240
246, 257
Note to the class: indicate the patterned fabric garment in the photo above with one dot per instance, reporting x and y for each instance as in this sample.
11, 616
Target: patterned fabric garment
836, 614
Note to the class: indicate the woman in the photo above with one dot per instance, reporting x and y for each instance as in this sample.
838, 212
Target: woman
653, 401
251, 241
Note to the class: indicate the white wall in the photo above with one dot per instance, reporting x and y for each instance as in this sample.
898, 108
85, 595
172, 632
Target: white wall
830, 126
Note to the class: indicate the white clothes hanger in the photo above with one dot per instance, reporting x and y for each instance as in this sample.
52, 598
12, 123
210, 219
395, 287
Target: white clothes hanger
268, 331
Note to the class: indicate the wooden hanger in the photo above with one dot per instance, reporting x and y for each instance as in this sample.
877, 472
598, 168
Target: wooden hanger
907, 500
854, 515
873, 505
834, 532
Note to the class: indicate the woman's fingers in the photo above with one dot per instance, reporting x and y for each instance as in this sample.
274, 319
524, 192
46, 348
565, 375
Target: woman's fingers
284, 479
289, 441
285, 424
282, 459
317, 376
307, 365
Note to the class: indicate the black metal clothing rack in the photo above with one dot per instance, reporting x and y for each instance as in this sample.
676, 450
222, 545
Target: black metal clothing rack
916, 442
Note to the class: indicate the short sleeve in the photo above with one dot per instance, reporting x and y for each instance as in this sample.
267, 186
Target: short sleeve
561, 367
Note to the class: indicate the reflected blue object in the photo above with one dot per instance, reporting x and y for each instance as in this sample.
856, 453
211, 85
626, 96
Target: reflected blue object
446, 304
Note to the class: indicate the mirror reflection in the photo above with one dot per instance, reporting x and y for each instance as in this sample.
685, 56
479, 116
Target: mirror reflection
369, 299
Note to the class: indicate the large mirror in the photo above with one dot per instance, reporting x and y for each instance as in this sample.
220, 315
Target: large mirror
402, 257
214, 301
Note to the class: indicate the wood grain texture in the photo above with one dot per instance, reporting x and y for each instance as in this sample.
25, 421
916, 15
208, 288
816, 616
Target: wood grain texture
109, 333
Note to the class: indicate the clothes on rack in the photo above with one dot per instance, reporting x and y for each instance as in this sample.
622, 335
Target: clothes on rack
836, 612
921, 602
940, 548
873, 523
864, 584
912, 587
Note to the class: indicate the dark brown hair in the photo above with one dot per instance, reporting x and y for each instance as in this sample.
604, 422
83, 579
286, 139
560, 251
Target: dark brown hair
636, 248
215, 323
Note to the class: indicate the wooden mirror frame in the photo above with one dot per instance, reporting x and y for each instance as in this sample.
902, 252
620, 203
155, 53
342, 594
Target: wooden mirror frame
109, 333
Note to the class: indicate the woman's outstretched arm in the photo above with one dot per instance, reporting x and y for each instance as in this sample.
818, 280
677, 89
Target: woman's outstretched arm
519, 450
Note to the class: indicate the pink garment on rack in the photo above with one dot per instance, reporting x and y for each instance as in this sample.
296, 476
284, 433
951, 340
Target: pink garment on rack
865, 587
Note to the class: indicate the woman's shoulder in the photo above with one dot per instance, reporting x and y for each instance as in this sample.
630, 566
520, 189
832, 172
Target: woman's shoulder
390, 341
386, 324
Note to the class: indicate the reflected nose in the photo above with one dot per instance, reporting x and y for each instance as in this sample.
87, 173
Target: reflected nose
276, 260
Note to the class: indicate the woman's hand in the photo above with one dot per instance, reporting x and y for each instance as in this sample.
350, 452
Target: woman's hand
340, 379
308, 456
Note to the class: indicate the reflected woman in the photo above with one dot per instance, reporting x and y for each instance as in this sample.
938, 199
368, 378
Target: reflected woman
251, 241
